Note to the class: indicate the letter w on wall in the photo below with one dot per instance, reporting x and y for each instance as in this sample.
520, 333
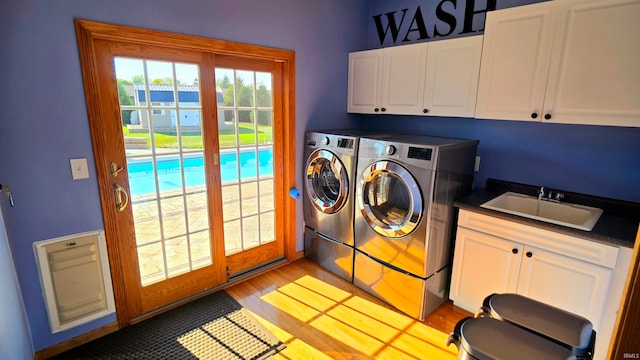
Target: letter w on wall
391, 25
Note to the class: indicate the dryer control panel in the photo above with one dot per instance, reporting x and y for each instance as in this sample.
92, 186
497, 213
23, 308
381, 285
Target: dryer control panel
420, 153
346, 143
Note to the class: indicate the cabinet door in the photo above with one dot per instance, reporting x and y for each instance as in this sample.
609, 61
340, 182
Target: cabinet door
515, 62
575, 286
482, 265
451, 83
594, 77
402, 79
365, 76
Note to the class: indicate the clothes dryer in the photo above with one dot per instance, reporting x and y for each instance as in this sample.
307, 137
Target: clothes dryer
404, 217
330, 164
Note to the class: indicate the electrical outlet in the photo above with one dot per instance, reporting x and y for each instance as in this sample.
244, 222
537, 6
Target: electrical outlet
476, 167
79, 169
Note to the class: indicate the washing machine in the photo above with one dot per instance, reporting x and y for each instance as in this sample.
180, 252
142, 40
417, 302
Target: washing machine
404, 217
330, 164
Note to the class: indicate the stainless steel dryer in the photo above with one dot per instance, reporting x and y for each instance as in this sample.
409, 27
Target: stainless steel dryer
404, 217
330, 164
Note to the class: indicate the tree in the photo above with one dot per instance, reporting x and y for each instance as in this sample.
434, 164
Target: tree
245, 93
263, 96
223, 83
228, 95
125, 99
165, 81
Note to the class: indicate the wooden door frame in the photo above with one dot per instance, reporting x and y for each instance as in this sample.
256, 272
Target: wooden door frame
626, 333
88, 32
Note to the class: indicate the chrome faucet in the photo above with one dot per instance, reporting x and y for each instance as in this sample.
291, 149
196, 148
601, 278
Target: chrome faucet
549, 195
541, 193
558, 196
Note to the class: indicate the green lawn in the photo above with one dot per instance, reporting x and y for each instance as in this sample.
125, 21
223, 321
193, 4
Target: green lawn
194, 140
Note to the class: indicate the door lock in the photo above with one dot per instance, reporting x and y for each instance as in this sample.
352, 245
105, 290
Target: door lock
115, 170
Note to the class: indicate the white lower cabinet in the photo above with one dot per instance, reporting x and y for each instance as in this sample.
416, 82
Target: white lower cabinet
482, 265
493, 255
485, 264
562, 281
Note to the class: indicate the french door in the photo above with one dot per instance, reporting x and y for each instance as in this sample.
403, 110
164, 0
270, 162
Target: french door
250, 160
191, 151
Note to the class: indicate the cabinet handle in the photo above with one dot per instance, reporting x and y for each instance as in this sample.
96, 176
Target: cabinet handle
529, 254
376, 109
515, 251
534, 115
425, 110
383, 109
547, 116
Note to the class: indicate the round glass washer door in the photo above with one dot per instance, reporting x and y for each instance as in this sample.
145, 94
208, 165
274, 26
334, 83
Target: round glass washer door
327, 181
390, 199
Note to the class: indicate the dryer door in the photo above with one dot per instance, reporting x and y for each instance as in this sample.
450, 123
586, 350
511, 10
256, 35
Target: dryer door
327, 181
390, 199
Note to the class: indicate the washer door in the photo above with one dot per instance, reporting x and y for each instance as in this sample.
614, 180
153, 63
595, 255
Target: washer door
327, 181
390, 199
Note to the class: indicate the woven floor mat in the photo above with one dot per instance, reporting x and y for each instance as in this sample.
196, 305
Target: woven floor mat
213, 327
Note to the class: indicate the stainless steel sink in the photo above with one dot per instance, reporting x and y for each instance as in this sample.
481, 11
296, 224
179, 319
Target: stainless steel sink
566, 214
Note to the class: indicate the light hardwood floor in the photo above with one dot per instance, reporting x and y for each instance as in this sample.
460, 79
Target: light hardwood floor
320, 316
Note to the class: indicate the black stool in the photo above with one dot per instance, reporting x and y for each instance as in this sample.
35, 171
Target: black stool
522, 328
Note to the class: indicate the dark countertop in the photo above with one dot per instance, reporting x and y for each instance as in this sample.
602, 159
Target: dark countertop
615, 227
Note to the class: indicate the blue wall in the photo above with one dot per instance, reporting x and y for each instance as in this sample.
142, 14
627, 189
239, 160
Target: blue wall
429, 20
594, 160
15, 342
42, 131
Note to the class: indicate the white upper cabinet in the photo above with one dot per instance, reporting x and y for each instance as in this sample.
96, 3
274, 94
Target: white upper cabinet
403, 79
569, 61
438, 78
451, 82
387, 81
365, 77
594, 76
515, 62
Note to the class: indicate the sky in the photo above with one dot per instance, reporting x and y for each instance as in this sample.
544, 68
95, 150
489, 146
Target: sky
127, 68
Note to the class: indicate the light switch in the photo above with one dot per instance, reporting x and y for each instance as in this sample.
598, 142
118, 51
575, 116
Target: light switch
79, 169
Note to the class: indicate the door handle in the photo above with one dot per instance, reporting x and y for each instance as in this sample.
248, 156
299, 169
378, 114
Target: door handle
122, 197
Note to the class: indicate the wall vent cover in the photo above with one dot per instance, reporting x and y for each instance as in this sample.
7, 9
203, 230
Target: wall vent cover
75, 279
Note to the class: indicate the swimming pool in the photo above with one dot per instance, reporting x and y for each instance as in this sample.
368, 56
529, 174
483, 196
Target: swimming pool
141, 172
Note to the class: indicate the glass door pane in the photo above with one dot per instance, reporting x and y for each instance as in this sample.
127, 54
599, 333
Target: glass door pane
161, 122
245, 127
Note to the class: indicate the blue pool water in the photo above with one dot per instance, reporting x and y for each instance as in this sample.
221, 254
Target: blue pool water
141, 174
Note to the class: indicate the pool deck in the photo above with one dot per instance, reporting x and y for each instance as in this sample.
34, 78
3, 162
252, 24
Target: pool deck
248, 212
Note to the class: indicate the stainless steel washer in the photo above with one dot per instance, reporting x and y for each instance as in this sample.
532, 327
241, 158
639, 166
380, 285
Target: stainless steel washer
330, 164
404, 216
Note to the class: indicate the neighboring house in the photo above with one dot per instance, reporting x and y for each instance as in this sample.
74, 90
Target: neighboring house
164, 115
